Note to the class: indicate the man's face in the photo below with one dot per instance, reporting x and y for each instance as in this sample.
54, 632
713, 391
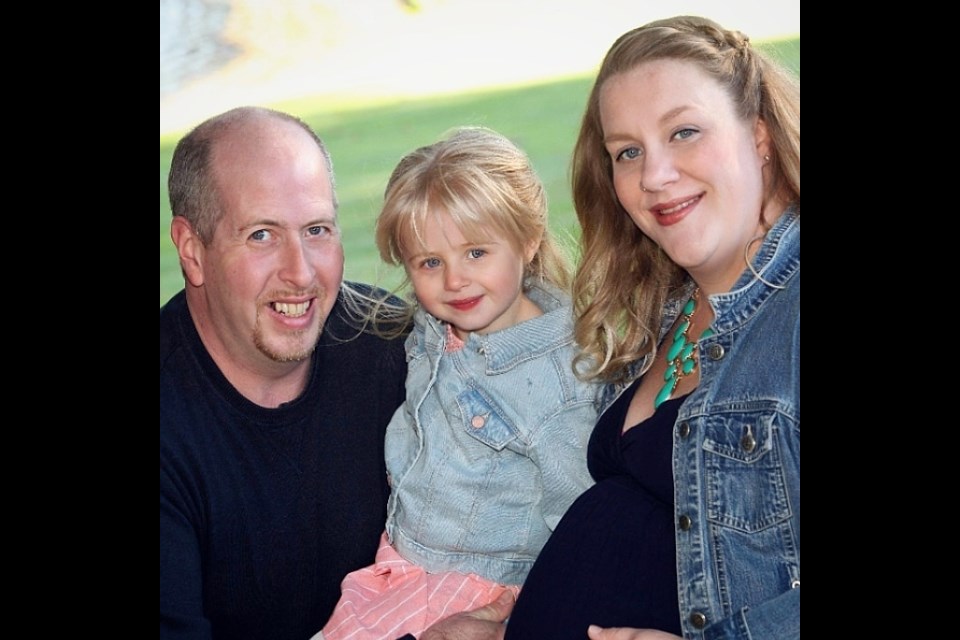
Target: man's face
273, 268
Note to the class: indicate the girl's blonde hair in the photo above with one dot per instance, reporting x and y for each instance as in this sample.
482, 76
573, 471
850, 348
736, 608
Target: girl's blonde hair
624, 278
487, 186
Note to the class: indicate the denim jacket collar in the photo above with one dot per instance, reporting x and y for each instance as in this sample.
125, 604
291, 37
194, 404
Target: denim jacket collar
503, 350
776, 262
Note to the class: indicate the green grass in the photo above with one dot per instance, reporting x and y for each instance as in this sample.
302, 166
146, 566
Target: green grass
367, 141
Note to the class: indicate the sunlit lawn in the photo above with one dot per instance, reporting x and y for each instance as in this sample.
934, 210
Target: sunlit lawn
366, 143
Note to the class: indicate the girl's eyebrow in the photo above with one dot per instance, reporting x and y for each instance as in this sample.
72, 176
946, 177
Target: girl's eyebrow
416, 256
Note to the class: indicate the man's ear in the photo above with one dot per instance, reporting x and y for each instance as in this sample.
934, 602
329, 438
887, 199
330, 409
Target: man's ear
189, 248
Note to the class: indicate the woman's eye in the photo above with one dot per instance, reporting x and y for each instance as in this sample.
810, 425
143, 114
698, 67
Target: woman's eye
630, 153
683, 134
477, 253
260, 235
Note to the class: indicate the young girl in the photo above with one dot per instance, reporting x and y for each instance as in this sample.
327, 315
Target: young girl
488, 450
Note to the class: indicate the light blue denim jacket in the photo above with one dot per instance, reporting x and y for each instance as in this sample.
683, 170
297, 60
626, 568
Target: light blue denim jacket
736, 456
489, 449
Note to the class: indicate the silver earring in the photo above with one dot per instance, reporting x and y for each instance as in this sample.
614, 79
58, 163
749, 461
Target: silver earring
766, 158
643, 188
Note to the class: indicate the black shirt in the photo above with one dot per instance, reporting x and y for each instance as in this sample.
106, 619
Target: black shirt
264, 511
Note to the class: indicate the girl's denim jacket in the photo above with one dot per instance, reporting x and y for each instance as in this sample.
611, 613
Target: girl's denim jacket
736, 455
489, 449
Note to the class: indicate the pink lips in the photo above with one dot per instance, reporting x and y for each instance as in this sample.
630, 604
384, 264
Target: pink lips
466, 304
678, 209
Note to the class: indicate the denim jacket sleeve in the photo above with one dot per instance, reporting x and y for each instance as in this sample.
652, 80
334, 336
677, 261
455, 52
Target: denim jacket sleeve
776, 618
560, 453
401, 441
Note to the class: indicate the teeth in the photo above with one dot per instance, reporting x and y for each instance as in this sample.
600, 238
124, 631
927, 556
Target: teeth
291, 310
665, 212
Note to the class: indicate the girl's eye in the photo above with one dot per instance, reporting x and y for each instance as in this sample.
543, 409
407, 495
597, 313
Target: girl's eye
431, 263
630, 153
477, 253
683, 134
260, 235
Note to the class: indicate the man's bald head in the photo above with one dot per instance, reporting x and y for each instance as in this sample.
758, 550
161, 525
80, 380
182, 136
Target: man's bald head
192, 183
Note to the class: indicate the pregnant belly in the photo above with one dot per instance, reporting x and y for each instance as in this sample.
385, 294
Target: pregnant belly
611, 562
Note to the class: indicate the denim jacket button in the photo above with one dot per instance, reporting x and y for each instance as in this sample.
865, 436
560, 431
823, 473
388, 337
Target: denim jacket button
715, 351
698, 620
477, 422
748, 443
685, 523
684, 429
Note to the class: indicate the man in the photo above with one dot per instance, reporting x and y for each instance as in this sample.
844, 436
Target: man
273, 402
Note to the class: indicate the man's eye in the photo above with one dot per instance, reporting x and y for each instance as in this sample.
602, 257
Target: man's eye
260, 235
319, 230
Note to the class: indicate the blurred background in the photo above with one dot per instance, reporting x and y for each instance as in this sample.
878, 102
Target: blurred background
378, 78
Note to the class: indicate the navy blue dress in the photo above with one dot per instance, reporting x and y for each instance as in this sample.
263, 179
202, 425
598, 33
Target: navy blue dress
611, 560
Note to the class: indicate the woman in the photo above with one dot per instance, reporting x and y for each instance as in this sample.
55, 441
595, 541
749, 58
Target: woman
686, 181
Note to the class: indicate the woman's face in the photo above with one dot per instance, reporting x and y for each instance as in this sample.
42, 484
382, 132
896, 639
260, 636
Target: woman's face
686, 168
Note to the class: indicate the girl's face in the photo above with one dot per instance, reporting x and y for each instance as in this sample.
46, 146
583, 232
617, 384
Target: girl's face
686, 168
474, 286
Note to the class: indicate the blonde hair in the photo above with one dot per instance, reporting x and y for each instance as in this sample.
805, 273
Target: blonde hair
487, 186
624, 278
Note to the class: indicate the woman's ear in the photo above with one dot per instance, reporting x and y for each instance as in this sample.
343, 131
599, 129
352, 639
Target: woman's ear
189, 248
761, 136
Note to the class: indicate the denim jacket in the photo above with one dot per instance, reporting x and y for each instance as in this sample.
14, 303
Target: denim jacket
736, 456
489, 449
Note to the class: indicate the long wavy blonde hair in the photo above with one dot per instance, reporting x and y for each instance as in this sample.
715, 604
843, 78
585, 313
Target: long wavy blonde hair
624, 278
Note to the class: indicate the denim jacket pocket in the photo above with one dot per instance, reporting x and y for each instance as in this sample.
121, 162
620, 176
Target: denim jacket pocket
483, 420
745, 487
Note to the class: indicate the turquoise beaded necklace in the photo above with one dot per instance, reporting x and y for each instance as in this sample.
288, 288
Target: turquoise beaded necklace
681, 356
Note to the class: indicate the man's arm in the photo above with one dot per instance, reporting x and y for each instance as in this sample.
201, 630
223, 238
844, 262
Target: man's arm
181, 585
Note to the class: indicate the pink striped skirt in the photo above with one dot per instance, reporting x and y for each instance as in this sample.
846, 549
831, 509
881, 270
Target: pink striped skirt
393, 597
